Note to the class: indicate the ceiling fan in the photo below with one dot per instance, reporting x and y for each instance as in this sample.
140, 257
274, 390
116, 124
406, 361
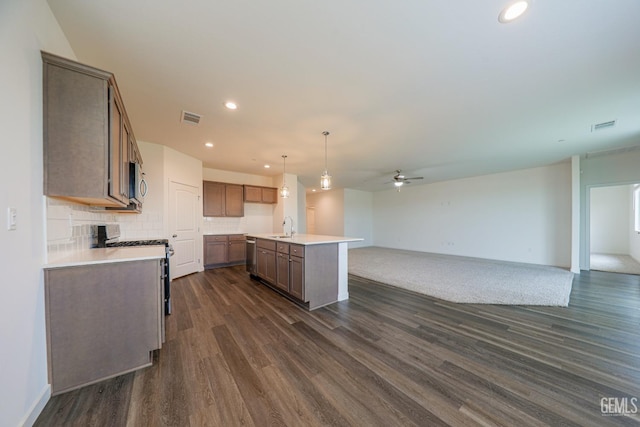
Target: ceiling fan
399, 180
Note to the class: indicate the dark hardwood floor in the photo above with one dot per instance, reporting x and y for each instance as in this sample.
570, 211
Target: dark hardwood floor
239, 354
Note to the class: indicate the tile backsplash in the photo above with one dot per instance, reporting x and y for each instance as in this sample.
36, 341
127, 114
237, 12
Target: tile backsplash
221, 225
69, 226
146, 225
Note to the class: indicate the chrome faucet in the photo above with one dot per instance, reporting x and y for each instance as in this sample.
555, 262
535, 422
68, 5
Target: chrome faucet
284, 222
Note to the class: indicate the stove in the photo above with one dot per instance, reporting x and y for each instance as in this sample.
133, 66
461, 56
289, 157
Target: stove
150, 242
107, 236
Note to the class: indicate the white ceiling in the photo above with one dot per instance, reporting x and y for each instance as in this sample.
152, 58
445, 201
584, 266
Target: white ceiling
435, 88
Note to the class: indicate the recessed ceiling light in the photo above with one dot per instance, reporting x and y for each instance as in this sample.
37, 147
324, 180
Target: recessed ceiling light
267, 166
208, 144
513, 11
231, 105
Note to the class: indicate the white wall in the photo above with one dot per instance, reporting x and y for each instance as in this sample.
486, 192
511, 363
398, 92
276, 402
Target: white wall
634, 236
301, 226
26, 27
610, 219
617, 167
330, 215
521, 216
358, 216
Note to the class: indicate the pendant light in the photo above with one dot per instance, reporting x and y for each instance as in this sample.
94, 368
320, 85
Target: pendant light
325, 179
284, 191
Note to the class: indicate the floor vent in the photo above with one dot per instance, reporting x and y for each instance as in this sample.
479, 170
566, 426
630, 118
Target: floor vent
603, 125
191, 118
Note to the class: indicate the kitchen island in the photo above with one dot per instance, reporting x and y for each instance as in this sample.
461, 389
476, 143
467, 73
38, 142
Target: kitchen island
310, 269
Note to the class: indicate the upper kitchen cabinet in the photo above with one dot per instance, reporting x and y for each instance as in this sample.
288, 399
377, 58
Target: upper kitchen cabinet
221, 199
255, 194
88, 140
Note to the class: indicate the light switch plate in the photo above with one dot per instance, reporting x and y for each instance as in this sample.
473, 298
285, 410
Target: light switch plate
12, 219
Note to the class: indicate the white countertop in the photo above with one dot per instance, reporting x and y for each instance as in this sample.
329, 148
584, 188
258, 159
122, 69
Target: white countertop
306, 239
107, 255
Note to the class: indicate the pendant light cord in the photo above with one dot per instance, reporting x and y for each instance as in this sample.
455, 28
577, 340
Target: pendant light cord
325, 133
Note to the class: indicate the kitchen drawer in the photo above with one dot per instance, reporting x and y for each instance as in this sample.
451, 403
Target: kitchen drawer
266, 244
216, 238
297, 250
283, 248
233, 237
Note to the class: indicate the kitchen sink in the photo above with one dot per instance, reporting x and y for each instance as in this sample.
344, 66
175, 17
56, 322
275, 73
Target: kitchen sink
280, 237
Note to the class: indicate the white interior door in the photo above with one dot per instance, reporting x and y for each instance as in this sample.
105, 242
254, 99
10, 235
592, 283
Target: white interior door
184, 210
311, 220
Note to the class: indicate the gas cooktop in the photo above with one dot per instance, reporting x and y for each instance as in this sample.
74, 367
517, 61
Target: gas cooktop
149, 242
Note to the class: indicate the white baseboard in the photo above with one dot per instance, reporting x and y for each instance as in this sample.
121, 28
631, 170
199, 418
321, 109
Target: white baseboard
37, 407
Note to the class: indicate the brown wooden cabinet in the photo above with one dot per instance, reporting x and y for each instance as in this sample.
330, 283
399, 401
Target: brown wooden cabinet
234, 200
224, 250
296, 277
87, 134
215, 250
307, 274
102, 320
266, 265
222, 199
290, 271
256, 194
237, 249
282, 265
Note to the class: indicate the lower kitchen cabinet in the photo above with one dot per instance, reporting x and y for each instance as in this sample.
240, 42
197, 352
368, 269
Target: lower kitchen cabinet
237, 252
102, 320
266, 265
296, 277
215, 250
224, 250
282, 273
282, 265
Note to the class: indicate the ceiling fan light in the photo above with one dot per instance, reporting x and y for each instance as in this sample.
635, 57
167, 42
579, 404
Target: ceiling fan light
398, 183
513, 11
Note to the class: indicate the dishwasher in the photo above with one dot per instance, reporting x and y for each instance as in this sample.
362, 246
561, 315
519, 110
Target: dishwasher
251, 256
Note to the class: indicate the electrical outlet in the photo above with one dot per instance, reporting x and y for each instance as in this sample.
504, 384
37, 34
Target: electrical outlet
12, 219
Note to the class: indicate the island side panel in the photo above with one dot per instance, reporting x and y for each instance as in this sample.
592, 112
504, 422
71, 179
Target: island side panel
343, 271
321, 274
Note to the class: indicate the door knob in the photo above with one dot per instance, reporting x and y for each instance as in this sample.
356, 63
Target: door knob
175, 235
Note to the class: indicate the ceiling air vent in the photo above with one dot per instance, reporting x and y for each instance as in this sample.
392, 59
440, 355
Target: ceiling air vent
603, 125
191, 118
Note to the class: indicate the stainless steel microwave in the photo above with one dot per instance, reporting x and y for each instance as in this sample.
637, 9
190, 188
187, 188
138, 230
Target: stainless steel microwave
137, 183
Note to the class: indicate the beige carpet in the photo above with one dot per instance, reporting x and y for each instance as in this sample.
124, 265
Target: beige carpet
464, 279
614, 263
